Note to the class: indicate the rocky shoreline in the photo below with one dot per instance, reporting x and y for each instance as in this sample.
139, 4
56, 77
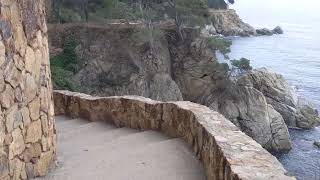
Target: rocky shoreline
228, 23
112, 62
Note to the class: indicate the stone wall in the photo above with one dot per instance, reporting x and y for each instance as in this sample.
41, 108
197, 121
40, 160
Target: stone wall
224, 150
27, 132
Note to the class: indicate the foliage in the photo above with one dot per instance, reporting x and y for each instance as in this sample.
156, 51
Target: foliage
64, 65
243, 65
69, 15
219, 4
186, 12
221, 44
114, 9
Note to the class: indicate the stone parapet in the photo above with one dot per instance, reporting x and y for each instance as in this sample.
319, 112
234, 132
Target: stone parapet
225, 151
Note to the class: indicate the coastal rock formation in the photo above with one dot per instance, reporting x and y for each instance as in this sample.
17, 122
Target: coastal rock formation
264, 32
277, 30
247, 108
225, 152
296, 113
114, 65
228, 23
317, 143
27, 130
268, 32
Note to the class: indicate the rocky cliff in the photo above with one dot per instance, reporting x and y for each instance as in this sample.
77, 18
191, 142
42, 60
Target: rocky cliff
115, 59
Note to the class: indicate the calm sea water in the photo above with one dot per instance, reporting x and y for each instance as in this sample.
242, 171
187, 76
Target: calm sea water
296, 55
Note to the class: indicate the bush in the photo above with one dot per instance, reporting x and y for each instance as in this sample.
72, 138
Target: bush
64, 65
69, 15
243, 65
221, 44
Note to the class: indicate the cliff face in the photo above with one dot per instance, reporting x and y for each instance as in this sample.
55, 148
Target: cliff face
27, 131
113, 61
118, 60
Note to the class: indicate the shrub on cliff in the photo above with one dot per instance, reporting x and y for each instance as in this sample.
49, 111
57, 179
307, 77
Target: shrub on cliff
63, 66
221, 44
241, 66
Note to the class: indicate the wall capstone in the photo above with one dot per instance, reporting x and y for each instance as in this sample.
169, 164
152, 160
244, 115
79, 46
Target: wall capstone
27, 130
225, 151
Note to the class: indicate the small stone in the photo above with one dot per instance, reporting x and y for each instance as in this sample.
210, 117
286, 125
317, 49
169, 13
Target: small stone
44, 122
18, 94
44, 96
7, 97
25, 116
4, 164
43, 164
17, 146
2, 53
30, 170
34, 151
13, 118
31, 88
8, 139
37, 65
29, 59
44, 143
18, 62
34, 108
34, 132
2, 84
2, 130
24, 173
317, 143
13, 76
15, 168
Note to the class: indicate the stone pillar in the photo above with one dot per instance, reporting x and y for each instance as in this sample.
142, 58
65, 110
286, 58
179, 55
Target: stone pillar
27, 130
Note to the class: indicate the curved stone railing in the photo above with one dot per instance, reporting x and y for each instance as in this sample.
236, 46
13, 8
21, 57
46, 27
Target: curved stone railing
225, 152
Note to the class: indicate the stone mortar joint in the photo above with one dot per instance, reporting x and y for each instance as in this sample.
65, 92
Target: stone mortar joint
225, 151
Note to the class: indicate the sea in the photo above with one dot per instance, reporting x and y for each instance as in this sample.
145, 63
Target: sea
296, 55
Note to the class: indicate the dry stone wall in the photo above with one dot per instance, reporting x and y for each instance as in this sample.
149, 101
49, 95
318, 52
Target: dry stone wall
225, 151
27, 132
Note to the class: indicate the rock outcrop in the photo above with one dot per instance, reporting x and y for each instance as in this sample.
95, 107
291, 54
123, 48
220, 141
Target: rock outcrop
268, 32
114, 64
317, 144
247, 108
117, 61
228, 23
295, 112
225, 152
27, 130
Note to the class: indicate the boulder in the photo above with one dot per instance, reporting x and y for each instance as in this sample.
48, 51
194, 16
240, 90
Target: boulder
277, 30
308, 116
248, 109
317, 143
280, 135
278, 93
264, 32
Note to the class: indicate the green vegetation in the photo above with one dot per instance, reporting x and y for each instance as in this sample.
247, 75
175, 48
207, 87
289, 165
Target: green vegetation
183, 11
221, 44
63, 66
242, 65
219, 4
